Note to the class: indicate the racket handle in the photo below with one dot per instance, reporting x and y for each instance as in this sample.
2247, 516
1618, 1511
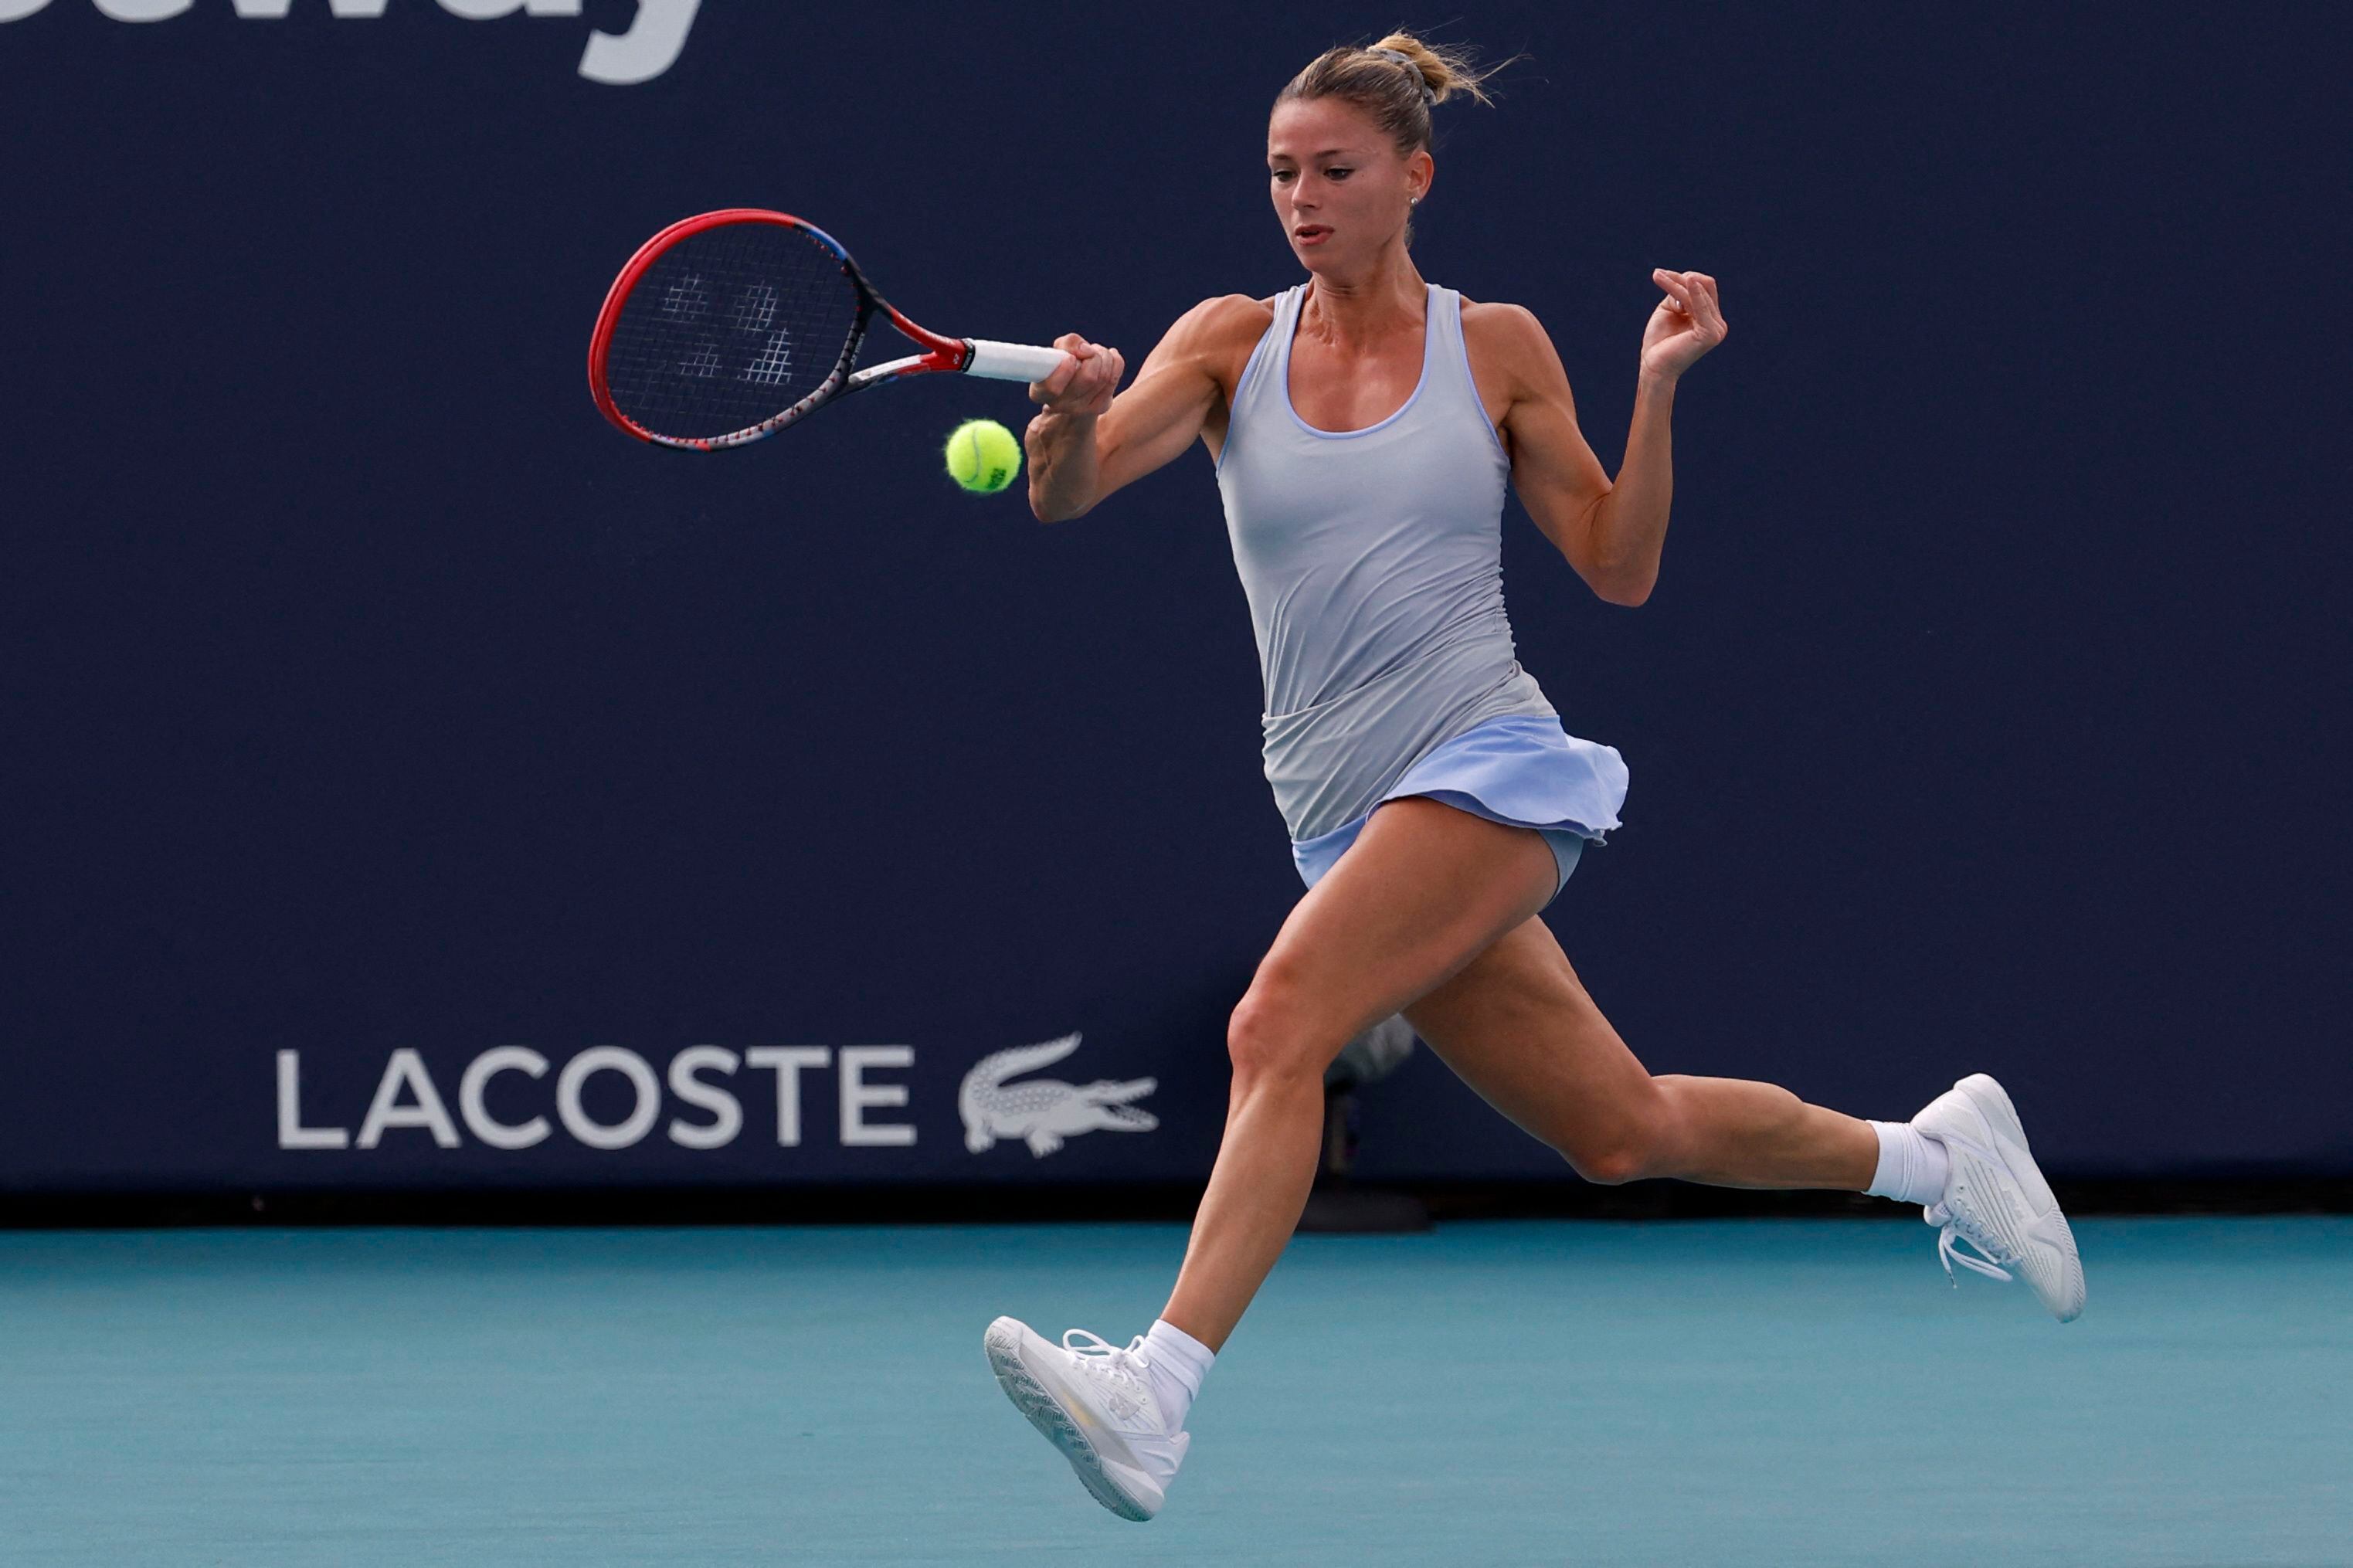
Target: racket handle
1012, 362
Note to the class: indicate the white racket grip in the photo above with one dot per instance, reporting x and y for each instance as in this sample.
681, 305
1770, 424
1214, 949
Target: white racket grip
1012, 362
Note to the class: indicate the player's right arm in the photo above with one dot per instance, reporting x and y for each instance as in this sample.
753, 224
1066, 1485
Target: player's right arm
1089, 439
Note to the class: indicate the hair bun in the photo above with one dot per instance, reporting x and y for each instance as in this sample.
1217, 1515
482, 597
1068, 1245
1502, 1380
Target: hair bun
1429, 93
1442, 71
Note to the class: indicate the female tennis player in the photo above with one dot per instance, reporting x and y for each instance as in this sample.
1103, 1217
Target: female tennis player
1365, 425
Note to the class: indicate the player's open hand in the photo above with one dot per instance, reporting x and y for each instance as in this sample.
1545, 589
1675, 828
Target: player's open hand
1085, 384
1687, 323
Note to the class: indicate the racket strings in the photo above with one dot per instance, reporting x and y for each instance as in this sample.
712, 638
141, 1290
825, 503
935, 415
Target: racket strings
729, 328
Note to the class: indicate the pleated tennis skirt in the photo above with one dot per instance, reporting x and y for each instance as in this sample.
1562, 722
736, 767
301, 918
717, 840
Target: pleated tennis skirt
1522, 770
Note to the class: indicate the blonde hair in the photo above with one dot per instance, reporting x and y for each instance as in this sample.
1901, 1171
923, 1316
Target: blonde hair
1398, 95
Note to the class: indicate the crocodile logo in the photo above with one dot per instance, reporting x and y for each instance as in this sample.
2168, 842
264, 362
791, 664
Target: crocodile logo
1044, 1112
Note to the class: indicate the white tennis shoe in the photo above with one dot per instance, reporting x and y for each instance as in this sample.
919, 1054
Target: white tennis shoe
1996, 1198
1093, 1401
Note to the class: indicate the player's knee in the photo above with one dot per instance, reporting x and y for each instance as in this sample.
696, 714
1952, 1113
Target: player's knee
1271, 1034
1640, 1140
1608, 1165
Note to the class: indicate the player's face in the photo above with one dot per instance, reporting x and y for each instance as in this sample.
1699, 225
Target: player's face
1338, 184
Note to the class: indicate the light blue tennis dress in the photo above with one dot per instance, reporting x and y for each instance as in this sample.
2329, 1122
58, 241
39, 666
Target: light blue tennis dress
1372, 562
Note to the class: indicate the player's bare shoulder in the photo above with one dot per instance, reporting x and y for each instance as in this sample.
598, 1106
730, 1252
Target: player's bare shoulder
1512, 363
1218, 335
1508, 342
1215, 339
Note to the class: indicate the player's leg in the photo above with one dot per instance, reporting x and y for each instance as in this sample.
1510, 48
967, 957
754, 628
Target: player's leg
1424, 889
1519, 1028
1423, 892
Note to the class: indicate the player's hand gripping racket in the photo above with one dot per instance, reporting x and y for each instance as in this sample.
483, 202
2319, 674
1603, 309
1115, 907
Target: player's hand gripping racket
728, 327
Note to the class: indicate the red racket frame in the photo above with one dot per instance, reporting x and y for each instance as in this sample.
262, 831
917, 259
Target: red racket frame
942, 354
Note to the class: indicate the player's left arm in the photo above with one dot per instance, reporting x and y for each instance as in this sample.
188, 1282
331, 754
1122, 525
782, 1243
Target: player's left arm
1612, 531
1555, 474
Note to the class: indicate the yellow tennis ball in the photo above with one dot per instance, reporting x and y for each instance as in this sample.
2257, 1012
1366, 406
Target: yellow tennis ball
982, 456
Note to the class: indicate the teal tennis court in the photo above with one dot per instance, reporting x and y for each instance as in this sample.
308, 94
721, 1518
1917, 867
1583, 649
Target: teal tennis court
1763, 1391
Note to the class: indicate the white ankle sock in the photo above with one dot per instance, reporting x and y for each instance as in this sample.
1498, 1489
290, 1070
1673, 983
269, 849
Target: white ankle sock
1177, 1362
1912, 1165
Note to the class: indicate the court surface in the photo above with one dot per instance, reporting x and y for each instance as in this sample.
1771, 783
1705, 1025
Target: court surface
1740, 1392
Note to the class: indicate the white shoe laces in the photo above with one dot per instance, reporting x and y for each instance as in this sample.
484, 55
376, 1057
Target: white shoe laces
1121, 1372
1950, 1254
1117, 1358
1124, 1386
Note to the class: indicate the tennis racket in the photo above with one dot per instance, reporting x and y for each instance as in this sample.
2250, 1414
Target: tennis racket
731, 325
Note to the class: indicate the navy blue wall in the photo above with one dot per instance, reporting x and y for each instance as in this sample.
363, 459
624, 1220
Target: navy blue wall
369, 694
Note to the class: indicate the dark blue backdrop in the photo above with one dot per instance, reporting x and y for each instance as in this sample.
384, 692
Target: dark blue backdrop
369, 695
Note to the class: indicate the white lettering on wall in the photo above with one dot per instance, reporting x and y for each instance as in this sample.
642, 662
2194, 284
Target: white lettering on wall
656, 35
291, 1133
698, 1081
788, 1061
470, 1097
607, 1059
491, 10
649, 48
856, 1095
275, 10
406, 1070
726, 1111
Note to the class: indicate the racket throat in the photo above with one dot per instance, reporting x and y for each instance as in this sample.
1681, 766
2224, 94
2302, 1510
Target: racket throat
913, 364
